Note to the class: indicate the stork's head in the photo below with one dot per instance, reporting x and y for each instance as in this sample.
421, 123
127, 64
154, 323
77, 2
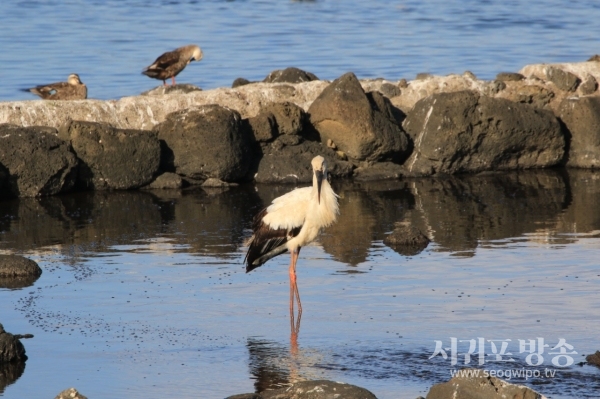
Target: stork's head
319, 165
74, 80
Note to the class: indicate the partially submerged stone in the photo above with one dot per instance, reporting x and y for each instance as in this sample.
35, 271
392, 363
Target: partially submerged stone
474, 384
581, 117
319, 389
70, 393
11, 348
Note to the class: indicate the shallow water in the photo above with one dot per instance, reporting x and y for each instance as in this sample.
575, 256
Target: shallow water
108, 43
144, 294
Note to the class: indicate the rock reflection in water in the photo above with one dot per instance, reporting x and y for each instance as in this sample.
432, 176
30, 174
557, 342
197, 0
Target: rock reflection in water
456, 212
10, 372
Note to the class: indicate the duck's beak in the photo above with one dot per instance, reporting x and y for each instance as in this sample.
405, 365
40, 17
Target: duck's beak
319, 175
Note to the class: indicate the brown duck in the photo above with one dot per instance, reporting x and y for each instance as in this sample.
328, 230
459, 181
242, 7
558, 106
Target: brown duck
72, 89
171, 63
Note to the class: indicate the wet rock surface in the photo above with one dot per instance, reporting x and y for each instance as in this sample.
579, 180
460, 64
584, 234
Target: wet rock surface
594, 359
70, 393
318, 389
11, 348
37, 162
112, 158
407, 240
18, 272
480, 387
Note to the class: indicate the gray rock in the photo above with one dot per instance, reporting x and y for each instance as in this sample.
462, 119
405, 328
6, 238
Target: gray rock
206, 142
319, 389
509, 77
263, 126
70, 393
564, 80
240, 82
480, 387
536, 96
389, 90
378, 171
277, 119
581, 117
37, 162
588, 86
290, 75
362, 125
112, 158
407, 240
166, 180
18, 266
11, 349
465, 132
179, 88
291, 164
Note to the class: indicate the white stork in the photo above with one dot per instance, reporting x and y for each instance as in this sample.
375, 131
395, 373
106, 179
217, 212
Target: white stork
292, 221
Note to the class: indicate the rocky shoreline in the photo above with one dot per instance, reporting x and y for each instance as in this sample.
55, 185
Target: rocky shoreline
170, 137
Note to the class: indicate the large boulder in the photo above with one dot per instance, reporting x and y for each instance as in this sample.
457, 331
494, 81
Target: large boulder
581, 117
276, 119
466, 132
360, 124
207, 142
37, 162
17, 271
291, 163
475, 384
112, 158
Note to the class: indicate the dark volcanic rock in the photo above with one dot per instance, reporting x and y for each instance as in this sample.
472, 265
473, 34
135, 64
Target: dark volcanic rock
378, 171
389, 90
581, 117
11, 349
277, 119
593, 359
240, 82
209, 141
362, 125
179, 88
112, 158
291, 164
38, 163
319, 389
18, 266
564, 80
509, 77
290, 75
407, 240
536, 96
480, 387
465, 132
588, 86
70, 393
167, 180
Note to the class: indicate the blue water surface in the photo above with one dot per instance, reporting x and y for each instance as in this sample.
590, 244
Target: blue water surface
108, 43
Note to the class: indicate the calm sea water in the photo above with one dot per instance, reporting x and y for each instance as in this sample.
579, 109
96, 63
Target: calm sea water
144, 295
109, 42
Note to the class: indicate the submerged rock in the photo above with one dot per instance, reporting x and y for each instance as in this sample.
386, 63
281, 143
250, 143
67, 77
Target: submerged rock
593, 359
407, 240
11, 348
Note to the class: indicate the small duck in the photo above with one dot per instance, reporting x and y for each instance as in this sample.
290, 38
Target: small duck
171, 63
72, 89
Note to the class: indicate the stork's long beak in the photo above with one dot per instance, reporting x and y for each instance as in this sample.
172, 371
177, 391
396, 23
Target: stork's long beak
319, 175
